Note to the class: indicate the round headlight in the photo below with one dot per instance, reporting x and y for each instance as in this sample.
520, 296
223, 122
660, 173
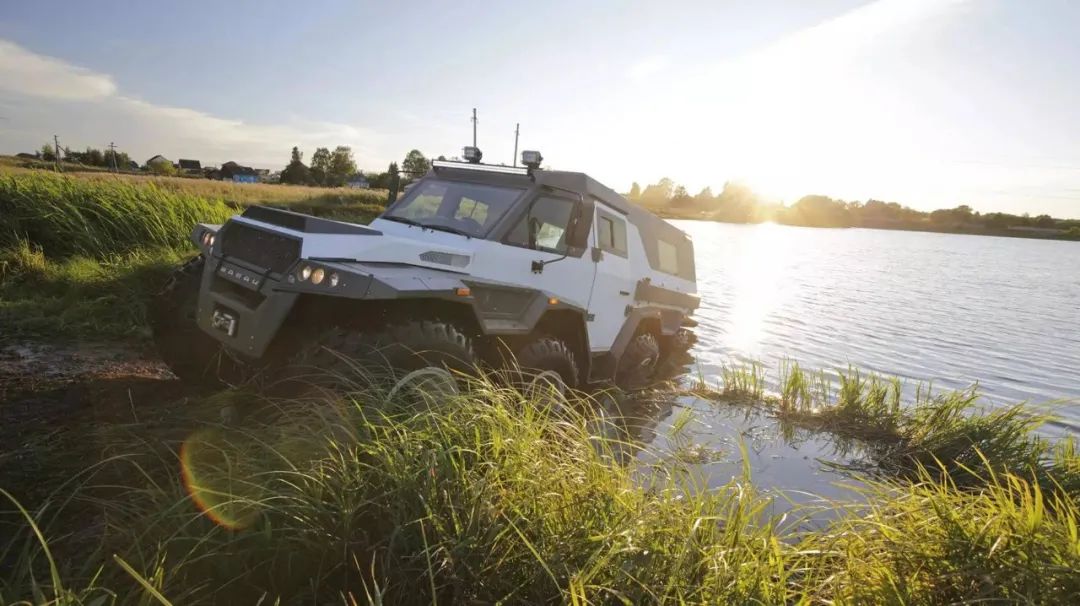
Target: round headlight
305, 272
334, 279
317, 276
210, 243
205, 238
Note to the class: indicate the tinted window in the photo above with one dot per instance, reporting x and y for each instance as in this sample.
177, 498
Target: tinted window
668, 255
544, 227
611, 234
469, 207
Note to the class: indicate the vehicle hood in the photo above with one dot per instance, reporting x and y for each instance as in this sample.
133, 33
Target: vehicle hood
384, 243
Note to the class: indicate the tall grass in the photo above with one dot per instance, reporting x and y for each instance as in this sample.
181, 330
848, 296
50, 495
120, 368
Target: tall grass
487, 497
79, 256
80, 296
64, 216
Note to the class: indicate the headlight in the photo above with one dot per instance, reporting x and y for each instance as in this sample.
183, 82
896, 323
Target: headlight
211, 241
317, 276
334, 279
305, 272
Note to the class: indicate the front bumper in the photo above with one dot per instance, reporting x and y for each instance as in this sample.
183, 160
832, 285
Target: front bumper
244, 306
241, 307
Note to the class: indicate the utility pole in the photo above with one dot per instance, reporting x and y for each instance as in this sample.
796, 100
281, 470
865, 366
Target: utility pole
56, 153
517, 132
112, 156
474, 121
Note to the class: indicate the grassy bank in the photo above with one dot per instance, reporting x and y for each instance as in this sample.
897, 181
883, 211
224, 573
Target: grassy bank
484, 497
79, 255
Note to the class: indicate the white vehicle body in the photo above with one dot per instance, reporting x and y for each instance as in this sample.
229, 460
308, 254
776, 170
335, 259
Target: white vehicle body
609, 270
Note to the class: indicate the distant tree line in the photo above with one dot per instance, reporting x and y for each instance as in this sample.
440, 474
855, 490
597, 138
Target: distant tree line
90, 157
335, 168
736, 203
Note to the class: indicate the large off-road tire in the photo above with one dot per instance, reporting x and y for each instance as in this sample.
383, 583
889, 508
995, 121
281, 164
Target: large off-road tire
190, 353
638, 362
548, 354
342, 357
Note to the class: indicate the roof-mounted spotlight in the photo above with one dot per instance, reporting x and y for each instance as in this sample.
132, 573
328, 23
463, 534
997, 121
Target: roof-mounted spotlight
531, 158
473, 154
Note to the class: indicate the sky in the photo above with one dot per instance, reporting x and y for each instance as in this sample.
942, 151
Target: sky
930, 103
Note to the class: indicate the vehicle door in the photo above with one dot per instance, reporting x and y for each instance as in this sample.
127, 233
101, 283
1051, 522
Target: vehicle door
613, 285
547, 248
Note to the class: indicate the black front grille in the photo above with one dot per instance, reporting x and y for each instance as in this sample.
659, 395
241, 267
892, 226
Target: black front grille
260, 248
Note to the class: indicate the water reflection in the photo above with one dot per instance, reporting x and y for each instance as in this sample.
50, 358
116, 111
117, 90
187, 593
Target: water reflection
758, 288
666, 433
945, 309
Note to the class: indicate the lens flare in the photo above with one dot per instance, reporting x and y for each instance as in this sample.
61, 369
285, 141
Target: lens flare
214, 475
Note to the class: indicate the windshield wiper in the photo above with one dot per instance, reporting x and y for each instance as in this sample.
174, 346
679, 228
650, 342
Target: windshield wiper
447, 228
405, 220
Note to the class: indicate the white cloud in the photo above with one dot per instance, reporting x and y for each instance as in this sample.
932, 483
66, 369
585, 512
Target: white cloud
43, 96
28, 73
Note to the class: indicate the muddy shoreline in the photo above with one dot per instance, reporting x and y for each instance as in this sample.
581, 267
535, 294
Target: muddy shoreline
59, 402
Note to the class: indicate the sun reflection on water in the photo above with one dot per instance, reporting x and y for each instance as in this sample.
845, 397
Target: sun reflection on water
758, 288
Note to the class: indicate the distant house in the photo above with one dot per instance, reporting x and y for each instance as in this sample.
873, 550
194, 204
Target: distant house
231, 171
358, 182
158, 161
133, 165
189, 165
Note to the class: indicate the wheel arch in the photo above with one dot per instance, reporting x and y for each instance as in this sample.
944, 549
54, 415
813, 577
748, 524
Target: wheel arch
569, 326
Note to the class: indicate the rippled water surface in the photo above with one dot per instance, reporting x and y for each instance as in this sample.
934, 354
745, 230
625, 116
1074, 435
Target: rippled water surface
951, 309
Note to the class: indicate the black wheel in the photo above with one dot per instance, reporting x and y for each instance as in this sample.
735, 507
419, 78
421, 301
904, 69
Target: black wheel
548, 354
190, 353
341, 355
638, 362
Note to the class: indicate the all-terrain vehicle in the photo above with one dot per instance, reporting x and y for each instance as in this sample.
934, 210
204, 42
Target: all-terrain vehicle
474, 266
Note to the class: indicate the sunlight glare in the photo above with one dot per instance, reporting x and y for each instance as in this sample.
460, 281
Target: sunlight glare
758, 288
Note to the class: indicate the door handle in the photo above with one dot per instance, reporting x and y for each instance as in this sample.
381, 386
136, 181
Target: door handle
625, 293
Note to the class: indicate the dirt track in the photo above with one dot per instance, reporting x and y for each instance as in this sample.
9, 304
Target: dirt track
56, 402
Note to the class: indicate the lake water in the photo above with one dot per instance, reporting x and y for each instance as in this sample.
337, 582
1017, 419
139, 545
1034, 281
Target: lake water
945, 309
941, 308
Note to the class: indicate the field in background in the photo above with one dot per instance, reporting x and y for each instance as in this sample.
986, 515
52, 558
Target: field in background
234, 194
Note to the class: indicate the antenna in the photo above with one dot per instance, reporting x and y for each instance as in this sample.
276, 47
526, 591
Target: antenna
474, 121
517, 132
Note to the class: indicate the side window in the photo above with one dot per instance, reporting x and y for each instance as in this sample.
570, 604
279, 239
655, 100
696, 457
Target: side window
611, 234
544, 228
668, 256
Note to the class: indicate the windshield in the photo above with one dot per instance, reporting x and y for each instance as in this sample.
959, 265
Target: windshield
468, 208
